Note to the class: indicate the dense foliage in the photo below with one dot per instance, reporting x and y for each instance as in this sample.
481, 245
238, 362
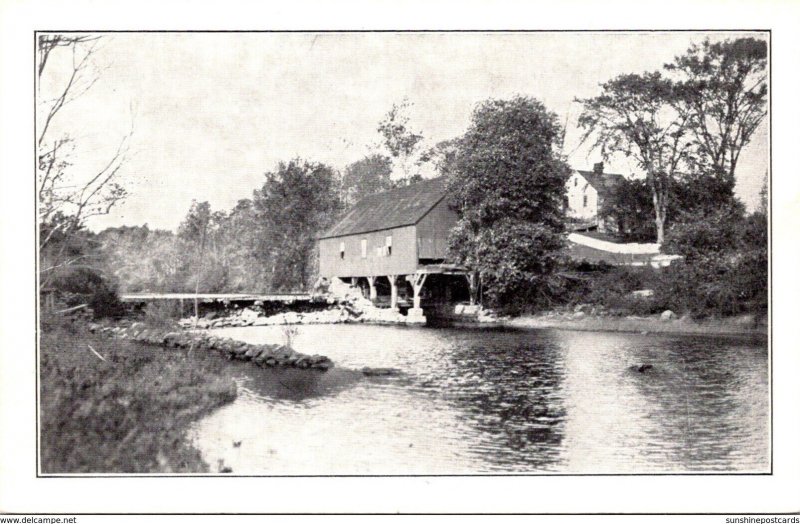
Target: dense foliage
724, 272
297, 201
370, 175
726, 264
508, 185
73, 268
627, 209
83, 285
143, 259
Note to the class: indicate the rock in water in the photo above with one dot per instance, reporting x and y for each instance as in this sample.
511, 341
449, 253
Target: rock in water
380, 372
252, 351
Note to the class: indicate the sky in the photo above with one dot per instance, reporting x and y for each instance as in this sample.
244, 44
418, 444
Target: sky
212, 112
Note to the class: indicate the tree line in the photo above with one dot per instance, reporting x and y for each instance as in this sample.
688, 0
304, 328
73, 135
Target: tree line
684, 125
264, 243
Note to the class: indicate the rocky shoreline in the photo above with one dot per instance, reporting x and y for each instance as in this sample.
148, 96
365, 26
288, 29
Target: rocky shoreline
264, 355
665, 322
345, 305
339, 314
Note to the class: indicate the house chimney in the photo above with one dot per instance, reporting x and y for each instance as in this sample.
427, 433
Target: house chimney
598, 168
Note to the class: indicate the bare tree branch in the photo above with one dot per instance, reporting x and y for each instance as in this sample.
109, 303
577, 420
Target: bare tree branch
64, 206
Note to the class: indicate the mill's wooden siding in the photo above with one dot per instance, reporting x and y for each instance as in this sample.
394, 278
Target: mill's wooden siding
402, 261
416, 216
433, 230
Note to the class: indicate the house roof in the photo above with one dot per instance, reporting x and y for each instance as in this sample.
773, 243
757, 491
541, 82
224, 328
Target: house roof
601, 182
400, 207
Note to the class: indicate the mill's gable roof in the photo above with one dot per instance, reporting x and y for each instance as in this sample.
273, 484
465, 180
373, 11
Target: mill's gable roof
601, 182
399, 207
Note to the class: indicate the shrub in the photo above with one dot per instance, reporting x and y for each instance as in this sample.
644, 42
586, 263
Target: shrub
517, 262
726, 267
629, 304
615, 282
700, 234
162, 313
714, 285
609, 286
86, 286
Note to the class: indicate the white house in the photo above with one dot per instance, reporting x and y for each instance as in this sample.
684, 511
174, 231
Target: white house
585, 193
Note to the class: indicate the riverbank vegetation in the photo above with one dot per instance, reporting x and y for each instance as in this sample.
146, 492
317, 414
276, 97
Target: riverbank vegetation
119, 406
684, 127
507, 188
724, 271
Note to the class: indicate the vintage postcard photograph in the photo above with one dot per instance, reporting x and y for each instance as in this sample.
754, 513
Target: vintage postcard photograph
403, 253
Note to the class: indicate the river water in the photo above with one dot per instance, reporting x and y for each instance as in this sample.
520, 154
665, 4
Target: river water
471, 401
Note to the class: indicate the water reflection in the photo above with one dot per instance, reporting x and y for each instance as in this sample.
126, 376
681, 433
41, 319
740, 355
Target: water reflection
510, 392
706, 390
477, 401
298, 384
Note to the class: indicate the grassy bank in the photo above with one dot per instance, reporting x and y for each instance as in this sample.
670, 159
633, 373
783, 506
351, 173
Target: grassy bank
127, 413
740, 325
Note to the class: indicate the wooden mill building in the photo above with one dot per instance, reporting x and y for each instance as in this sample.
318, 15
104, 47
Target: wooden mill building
394, 241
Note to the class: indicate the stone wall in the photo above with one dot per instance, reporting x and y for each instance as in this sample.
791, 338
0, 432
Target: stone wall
265, 355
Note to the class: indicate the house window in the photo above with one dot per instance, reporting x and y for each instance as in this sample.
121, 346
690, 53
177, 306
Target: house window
363, 248
341, 250
585, 200
576, 182
388, 245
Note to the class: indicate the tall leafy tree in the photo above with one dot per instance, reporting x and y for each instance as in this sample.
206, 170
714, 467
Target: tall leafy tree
370, 175
237, 237
635, 116
722, 89
298, 200
507, 185
195, 226
441, 157
400, 140
194, 231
